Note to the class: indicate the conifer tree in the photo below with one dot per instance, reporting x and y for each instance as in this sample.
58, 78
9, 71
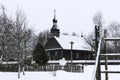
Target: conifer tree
40, 55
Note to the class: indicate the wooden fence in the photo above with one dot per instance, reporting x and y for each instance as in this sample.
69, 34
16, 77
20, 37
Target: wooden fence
35, 67
53, 67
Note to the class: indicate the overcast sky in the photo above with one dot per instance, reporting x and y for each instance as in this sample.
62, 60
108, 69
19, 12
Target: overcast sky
72, 15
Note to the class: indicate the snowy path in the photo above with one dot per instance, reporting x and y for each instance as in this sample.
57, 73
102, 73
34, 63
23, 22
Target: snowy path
60, 75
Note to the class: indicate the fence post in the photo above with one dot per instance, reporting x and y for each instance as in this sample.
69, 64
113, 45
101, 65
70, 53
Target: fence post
106, 58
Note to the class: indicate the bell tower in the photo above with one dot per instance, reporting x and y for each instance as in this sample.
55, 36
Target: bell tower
54, 30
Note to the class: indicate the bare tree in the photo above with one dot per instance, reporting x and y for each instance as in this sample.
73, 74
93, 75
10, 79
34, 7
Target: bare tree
89, 40
15, 38
113, 32
6, 29
17, 41
43, 37
23, 37
97, 20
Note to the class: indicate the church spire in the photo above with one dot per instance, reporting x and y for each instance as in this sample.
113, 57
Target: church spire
54, 14
54, 30
54, 19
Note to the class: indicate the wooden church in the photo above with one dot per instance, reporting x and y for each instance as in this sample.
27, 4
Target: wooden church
59, 46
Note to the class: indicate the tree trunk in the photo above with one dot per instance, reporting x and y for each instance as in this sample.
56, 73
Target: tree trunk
18, 70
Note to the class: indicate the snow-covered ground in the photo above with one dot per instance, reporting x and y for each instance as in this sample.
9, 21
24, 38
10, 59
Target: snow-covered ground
60, 75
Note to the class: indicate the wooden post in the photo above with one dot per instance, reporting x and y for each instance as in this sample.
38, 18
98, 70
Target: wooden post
96, 43
62, 53
71, 54
106, 58
99, 71
97, 38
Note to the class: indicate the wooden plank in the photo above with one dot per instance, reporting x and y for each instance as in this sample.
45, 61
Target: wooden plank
112, 39
97, 61
110, 54
106, 71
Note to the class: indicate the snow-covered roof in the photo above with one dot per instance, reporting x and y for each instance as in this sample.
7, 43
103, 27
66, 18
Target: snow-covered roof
79, 42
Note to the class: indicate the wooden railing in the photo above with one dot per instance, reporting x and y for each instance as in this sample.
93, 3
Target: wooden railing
97, 69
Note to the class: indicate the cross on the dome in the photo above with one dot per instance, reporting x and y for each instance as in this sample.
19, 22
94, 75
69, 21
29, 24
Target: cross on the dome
54, 13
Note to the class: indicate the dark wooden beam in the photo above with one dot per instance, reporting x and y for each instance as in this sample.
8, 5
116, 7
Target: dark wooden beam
106, 71
112, 39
